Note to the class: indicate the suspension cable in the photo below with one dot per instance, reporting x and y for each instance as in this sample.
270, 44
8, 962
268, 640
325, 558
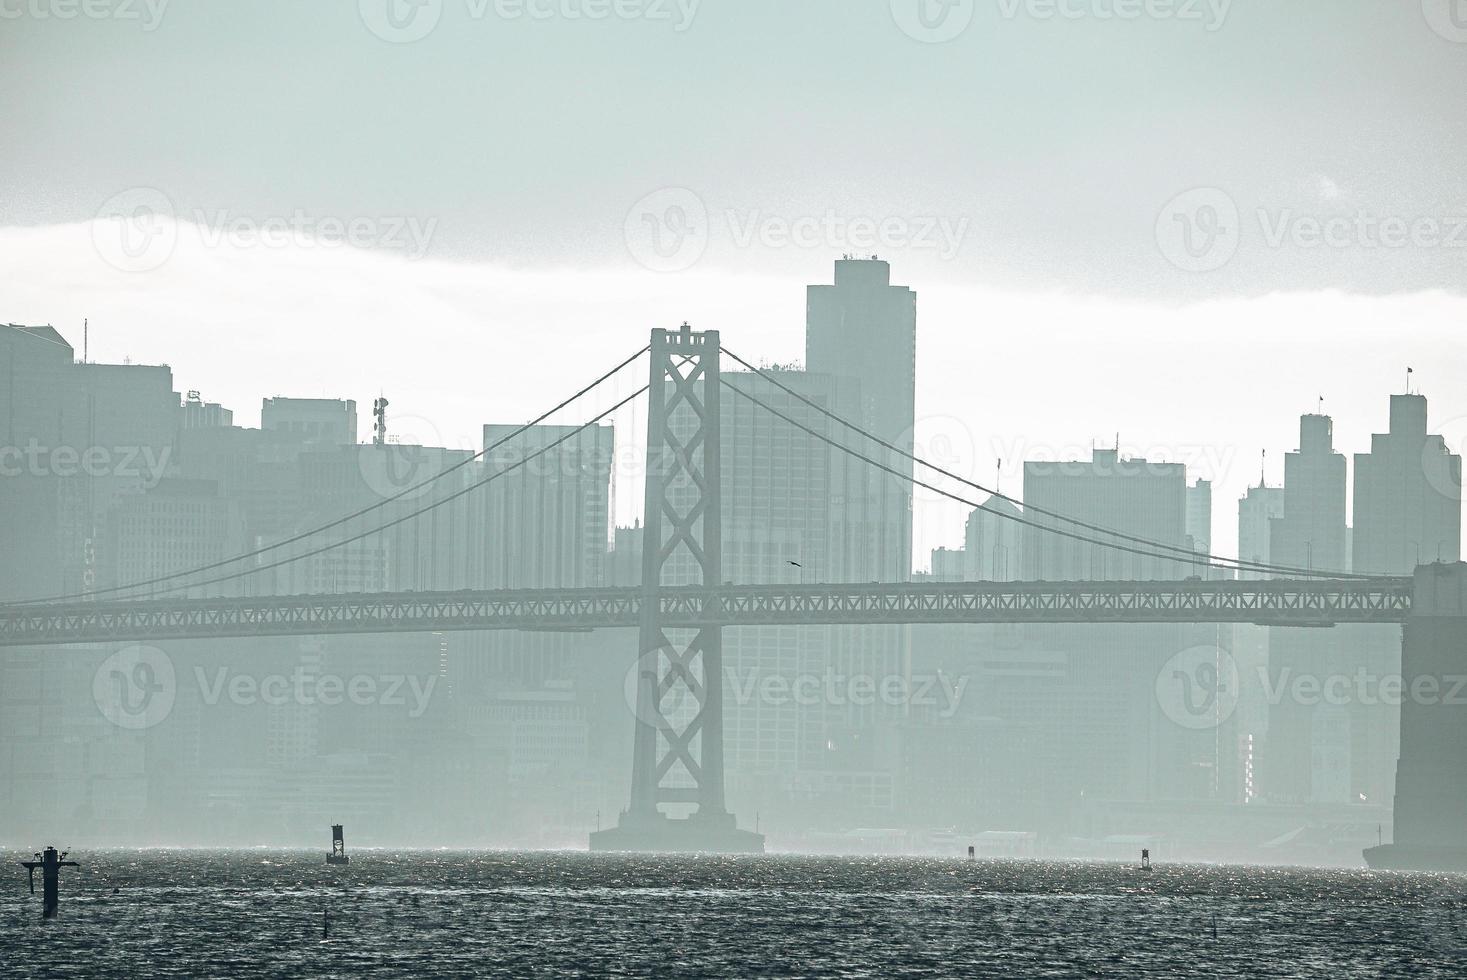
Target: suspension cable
1183, 554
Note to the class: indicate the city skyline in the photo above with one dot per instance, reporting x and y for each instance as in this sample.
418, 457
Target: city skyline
963, 440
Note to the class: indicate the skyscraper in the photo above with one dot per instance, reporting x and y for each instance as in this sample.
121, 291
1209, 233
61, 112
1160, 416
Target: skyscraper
1307, 754
1408, 512
1408, 496
1257, 511
864, 328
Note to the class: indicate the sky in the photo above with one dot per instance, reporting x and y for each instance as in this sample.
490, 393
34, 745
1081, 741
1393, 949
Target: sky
1170, 222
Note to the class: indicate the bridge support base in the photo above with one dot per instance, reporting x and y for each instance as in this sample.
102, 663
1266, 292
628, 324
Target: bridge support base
1431, 774
664, 834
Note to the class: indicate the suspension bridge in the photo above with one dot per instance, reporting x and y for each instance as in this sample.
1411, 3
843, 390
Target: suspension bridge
683, 604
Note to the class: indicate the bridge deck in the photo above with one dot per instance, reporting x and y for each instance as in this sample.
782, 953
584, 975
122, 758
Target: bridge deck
1272, 602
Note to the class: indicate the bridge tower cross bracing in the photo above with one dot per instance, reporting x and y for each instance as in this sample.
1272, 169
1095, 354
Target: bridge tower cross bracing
677, 754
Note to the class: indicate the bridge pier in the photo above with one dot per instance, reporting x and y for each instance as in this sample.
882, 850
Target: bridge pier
1431, 774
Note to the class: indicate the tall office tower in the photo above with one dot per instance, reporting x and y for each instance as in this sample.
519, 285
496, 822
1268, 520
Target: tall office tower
778, 525
322, 421
1256, 513
1199, 516
993, 542
35, 363
1136, 497
548, 506
1408, 512
864, 328
1103, 729
1311, 534
1408, 496
547, 525
1257, 510
1306, 757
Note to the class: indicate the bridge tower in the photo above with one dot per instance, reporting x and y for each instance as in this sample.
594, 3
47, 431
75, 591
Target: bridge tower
677, 752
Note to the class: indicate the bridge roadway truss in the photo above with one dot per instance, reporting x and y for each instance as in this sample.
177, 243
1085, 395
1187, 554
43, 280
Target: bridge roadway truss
1271, 602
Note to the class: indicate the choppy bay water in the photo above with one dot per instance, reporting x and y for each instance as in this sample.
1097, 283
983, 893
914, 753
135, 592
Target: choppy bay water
446, 913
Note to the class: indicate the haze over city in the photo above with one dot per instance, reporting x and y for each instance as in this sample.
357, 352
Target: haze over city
1048, 415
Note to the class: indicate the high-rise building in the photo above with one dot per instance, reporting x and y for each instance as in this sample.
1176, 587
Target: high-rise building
864, 328
1136, 497
1307, 755
1408, 496
1311, 533
1408, 512
1088, 704
994, 542
548, 507
1258, 509
1199, 516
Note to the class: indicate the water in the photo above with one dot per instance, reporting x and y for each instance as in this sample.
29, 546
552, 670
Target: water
445, 913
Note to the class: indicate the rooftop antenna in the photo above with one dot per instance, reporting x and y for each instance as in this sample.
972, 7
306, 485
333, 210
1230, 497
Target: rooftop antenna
1408, 381
1263, 470
998, 476
84, 339
1319, 408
